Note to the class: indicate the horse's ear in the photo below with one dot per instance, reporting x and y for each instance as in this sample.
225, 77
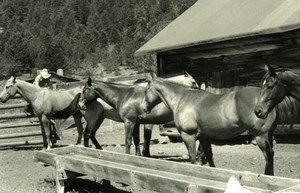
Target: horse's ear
270, 70
186, 74
13, 79
89, 82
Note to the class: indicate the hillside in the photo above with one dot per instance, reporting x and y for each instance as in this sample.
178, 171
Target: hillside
76, 35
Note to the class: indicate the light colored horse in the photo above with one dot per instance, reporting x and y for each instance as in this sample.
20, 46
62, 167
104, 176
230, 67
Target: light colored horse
126, 100
47, 104
203, 116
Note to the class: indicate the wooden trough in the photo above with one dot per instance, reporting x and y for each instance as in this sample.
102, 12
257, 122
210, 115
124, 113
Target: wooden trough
153, 174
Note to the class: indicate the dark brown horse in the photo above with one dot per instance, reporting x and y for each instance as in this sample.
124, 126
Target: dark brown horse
47, 104
275, 87
203, 116
95, 112
126, 100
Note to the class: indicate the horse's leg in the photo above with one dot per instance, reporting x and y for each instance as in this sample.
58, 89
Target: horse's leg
57, 125
206, 147
77, 118
94, 129
265, 145
43, 133
190, 143
129, 127
201, 155
45, 126
147, 137
136, 139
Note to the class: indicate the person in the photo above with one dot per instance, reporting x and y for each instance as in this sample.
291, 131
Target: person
43, 79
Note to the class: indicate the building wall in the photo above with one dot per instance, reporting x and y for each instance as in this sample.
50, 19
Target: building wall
239, 62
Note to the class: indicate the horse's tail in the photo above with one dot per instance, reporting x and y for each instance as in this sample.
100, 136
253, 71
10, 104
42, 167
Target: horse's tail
288, 111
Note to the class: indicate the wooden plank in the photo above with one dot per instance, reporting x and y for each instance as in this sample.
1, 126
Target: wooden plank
49, 156
157, 175
136, 176
17, 135
234, 51
287, 129
291, 189
20, 143
13, 106
240, 42
18, 125
14, 116
218, 174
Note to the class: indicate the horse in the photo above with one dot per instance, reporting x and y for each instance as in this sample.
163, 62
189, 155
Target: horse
275, 87
47, 104
204, 116
126, 100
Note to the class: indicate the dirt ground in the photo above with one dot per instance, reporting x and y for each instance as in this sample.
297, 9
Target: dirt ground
19, 173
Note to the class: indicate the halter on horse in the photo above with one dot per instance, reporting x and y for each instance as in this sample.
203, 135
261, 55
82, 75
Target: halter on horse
126, 99
274, 89
47, 104
203, 116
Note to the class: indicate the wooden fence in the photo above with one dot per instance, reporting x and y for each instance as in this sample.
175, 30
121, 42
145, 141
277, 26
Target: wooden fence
16, 127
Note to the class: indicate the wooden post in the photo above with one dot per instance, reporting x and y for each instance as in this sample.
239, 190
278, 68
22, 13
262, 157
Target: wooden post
192, 188
61, 174
58, 173
161, 66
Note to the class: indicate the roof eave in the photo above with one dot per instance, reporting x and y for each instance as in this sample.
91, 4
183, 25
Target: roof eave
275, 30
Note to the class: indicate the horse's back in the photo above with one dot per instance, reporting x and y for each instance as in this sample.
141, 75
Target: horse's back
50, 101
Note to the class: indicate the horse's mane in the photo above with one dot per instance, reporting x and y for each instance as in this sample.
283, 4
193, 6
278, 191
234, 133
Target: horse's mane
174, 83
288, 111
114, 83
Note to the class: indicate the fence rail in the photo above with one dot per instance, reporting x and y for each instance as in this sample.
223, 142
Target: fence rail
17, 128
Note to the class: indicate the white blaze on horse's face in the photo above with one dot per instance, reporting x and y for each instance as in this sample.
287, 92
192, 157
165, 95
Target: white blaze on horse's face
272, 92
9, 90
193, 82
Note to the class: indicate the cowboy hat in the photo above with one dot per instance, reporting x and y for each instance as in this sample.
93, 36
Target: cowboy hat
44, 73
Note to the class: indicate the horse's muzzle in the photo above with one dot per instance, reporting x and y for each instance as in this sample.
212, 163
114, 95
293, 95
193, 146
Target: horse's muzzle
260, 113
3, 100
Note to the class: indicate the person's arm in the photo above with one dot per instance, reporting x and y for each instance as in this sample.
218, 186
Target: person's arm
37, 80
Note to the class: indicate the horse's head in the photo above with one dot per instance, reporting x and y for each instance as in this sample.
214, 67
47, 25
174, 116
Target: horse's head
151, 98
9, 90
186, 80
88, 94
272, 92
191, 82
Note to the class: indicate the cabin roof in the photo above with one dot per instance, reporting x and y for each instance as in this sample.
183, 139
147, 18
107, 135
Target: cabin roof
210, 21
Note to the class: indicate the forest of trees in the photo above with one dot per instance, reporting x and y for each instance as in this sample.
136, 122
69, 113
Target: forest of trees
78, 34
